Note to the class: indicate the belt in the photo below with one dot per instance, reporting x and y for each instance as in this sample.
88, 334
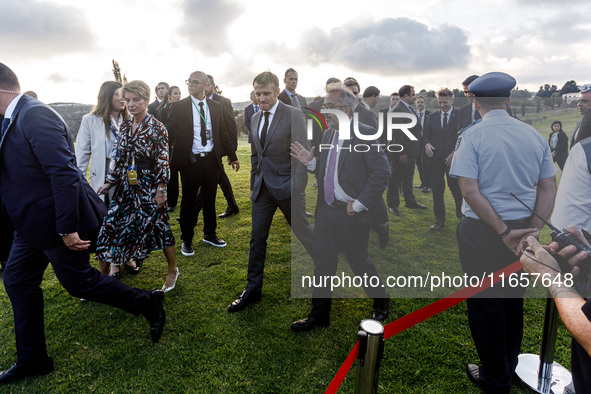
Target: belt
144, 163
338, 204
201, 154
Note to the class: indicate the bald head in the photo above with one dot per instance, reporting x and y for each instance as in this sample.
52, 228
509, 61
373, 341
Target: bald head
198, 82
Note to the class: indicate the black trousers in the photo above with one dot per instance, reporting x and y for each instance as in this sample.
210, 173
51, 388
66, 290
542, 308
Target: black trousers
439, 172
201, 176
22, 279
335, 232
263, 210
423, 167
226, 187
173, 188
401, 173
495, 315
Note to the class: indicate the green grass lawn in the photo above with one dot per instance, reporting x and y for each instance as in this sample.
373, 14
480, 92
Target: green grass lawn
207, 350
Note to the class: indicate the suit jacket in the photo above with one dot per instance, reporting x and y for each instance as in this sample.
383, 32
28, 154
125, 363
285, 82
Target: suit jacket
584, 129
272, 163
153, 106
228, 119
180, 131
410, 148
444, 141
284, 97
366, 116
466, 115
362, 175
317, 131
424, 120
91, 141
248, 112
42, 189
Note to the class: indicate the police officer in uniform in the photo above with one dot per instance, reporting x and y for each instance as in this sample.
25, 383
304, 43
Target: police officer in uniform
495, 156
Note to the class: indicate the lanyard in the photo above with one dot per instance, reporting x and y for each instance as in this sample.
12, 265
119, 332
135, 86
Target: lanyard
133, 167
199, 112
114, 131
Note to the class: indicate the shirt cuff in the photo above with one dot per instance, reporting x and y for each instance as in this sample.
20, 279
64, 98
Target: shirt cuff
358, 206
311, 166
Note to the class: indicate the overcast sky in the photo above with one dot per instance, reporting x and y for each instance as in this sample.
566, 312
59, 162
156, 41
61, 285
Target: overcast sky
62, 49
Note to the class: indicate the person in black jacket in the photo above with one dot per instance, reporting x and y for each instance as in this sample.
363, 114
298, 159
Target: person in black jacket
558, 144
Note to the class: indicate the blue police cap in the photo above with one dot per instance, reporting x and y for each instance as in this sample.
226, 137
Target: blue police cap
495, 84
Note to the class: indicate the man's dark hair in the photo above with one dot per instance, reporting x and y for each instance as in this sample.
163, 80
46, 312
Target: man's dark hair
161, 83
469, 80
405, 90
332, 80
350, 81
8, 79
371, 91
211, 79
288, 71
266, 78
394, 94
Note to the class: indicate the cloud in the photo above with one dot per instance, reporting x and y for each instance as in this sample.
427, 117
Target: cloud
206, 23
388, 46
57, 77
34, 29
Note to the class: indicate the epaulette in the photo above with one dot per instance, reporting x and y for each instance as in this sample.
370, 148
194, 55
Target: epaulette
462, 132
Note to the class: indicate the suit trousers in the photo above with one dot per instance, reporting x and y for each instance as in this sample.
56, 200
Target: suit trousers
335, 232
495, 316
424, 171
401, 173
22, 280
201, 176
226, 187
173, 188
439, 172
263, 210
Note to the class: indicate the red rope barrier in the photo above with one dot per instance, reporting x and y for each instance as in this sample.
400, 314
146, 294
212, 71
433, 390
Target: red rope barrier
420, 315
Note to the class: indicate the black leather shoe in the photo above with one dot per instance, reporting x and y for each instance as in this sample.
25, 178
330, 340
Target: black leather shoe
155, 314
426, 189
170, 209
383, 231
26, 369
116, 275
437, 225
246, 298
229, 212
421, 186
309, 215
416, 206
459, 213
187, 249
395, 211
214, 240
309, 323
473, 372
380, 309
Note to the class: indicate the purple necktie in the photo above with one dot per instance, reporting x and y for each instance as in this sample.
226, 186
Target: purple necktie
329, 179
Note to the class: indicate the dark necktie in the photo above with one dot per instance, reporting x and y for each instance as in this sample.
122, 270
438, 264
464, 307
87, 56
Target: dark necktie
444, 121
5, 123
296, 101
331, 166
265, 127
256, 109
203, 126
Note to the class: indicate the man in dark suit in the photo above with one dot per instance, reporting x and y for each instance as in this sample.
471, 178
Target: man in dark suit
422, 114
403, 163
350, 188
275, 178
440, 137
288, 95
583, 127
223, 181
160, 90
200, 139
53, 210
371, 96
468, 112
250, 110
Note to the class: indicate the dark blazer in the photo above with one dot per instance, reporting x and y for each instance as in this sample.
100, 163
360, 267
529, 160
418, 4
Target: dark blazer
561, 148
410, 148
284, 97
584, 130
153, 107
466, 115
444, 141
362, 175
272, 162
366, 116
229, 119
317, 131
42, 189
180, 131
425, 116
248, 112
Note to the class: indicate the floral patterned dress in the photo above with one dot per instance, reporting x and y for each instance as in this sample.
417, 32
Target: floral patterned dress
134, 226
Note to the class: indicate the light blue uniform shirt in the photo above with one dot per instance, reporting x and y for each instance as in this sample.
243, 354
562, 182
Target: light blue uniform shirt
504, 155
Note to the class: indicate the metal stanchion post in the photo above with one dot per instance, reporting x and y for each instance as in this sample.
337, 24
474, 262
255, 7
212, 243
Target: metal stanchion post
541, 373
371, 352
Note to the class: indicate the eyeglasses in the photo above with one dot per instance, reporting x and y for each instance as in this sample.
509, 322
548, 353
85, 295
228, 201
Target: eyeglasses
194, 82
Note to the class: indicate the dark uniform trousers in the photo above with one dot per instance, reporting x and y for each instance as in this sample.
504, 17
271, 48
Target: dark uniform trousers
438, 172
22, 280
263, 210
335, 231
495, 315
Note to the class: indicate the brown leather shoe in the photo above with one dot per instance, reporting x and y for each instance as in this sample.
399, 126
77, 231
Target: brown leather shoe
437, 225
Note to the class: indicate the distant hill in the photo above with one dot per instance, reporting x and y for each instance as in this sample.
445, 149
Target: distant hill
72, 114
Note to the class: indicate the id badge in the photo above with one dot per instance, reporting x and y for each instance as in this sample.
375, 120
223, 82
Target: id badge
132, 177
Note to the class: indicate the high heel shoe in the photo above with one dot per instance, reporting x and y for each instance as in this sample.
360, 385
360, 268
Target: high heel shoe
132, 269
166, 289
116, 275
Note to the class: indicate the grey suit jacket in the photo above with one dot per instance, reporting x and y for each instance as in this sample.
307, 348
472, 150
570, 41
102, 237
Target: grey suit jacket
272, 163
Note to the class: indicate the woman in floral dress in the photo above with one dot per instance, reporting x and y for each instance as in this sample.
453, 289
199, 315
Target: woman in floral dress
137, 220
